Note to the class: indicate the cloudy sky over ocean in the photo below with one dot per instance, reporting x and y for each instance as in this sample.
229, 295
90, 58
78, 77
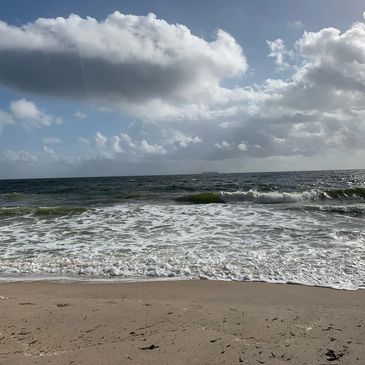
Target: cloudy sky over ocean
140, 87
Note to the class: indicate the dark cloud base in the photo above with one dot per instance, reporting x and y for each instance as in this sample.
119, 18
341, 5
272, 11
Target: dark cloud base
64, 75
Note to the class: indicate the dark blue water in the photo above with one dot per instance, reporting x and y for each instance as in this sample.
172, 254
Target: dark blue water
106, 190
304, 227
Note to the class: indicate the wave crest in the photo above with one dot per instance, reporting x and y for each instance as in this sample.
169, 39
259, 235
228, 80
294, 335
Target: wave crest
274, 197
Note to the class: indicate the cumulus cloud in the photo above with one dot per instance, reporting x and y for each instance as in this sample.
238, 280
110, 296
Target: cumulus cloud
332, 74
28, 112
152, 148
140, 64
17, 156
141, 145
121, 146
242, 146
179, 139
280, 53
318, 109
224, 145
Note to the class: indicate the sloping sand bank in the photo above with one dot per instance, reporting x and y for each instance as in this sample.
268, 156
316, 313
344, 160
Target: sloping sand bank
180, 322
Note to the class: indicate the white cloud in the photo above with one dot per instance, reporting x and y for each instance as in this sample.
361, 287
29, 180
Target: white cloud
180, 139
125, 138
106, 147
80, 115
321, 107
242, 146
152, 148
100, 139
17, 156
140, 64
125, 148
224, 145
28, 112
280, 53
317, 110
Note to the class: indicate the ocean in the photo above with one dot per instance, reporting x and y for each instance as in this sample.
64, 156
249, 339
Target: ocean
297, 227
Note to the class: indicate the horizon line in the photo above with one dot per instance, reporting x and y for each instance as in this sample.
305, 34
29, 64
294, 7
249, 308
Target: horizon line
182, 174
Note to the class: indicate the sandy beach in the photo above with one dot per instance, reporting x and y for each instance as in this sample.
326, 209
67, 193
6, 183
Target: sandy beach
180, 322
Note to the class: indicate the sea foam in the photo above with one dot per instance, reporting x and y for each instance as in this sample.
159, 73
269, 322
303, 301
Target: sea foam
215, 241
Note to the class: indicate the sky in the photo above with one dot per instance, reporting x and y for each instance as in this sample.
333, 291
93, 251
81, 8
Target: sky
97, 88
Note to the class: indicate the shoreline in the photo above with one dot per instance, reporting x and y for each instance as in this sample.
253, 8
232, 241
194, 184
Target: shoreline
179, 322
118, 280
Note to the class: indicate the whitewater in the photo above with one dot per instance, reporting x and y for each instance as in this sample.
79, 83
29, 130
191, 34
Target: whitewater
303, 227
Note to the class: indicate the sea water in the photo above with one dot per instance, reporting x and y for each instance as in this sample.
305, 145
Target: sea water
301, 227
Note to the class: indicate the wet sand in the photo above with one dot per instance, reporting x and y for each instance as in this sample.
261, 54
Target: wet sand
180, 322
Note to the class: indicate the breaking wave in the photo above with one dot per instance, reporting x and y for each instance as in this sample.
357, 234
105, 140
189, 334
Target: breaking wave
274, 197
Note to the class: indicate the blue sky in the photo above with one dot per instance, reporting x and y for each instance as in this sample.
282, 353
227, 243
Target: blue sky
280, 87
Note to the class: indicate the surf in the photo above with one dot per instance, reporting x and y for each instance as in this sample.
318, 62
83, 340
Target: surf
274, 197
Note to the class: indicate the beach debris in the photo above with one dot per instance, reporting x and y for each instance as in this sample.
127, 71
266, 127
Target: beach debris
62, 305
330, 327
27, 303
333, 355
151, 347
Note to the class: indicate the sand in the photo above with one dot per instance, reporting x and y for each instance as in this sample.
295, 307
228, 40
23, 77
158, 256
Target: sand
180, 322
